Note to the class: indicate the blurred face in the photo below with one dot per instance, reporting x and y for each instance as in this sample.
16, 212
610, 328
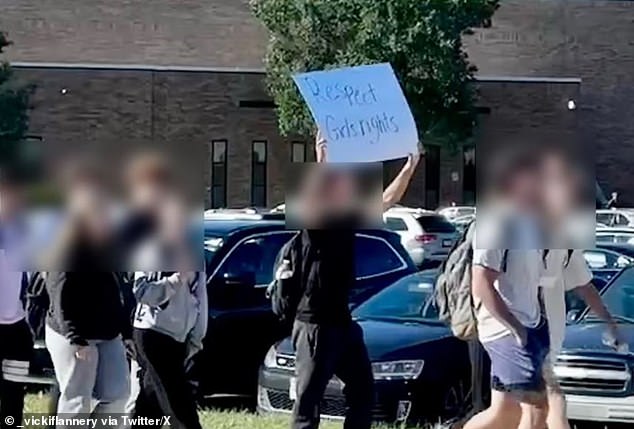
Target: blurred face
523, 190
326, 195
90, 208
558, 187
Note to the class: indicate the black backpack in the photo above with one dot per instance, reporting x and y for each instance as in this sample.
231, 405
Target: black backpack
285, 293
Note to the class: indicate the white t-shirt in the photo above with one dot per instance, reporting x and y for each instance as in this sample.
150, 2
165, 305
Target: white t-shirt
559, 278
518, 287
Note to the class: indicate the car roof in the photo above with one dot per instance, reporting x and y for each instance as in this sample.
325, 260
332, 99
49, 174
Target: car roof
224, 227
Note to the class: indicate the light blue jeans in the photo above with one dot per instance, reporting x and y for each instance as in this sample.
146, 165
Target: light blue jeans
97, 385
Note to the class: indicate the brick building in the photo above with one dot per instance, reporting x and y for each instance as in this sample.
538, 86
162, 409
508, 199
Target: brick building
191, 71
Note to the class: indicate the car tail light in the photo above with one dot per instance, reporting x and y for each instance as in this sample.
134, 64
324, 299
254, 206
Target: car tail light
426, 238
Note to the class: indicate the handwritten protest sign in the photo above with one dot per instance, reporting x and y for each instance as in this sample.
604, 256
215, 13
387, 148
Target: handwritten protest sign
361, 111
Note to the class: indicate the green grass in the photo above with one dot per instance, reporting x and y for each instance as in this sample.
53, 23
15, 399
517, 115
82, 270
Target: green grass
210, 418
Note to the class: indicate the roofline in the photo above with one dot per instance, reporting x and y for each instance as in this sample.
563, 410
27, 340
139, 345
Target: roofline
529, 79
254, 70
135, 67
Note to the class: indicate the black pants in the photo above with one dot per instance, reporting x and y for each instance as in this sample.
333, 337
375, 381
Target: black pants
165, 390
16, 349
324, 351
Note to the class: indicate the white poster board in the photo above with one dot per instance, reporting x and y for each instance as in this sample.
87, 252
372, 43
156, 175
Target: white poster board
361, 111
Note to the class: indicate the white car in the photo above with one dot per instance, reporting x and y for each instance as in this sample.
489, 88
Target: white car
621, 218
457, 211
426, 235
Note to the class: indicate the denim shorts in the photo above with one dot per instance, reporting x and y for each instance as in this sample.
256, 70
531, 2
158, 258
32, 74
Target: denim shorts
519, 369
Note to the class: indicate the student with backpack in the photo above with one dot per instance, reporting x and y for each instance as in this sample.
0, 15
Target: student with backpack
16, 342
505, 270
314, 275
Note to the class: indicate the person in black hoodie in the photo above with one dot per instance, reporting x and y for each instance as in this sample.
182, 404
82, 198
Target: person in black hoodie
87, 321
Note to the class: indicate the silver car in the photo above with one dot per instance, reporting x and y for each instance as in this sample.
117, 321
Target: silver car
427, 236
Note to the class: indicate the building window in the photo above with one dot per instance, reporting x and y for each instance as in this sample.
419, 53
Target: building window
298, 152
258, 174
218, 174
432, 176
469, 176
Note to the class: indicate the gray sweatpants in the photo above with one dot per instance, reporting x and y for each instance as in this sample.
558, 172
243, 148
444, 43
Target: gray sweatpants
97, 385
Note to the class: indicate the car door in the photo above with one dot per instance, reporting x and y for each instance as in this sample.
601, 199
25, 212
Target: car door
241, 324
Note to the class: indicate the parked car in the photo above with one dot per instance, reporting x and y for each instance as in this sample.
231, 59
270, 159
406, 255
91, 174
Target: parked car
620, 218
607, 259
598, 381
426, 235
242, 326
457, 211
239, 255
420, 370
462, 222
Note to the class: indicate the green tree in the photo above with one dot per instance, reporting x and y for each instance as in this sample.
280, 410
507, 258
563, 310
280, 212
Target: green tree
422, 39
14, 107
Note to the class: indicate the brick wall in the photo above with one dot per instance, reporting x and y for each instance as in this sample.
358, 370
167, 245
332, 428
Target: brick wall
588, 39
213, 33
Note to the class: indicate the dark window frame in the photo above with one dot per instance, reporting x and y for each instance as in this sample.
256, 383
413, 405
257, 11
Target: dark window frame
258, 164
214, 183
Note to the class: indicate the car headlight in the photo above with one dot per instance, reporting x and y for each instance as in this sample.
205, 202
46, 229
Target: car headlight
270, 360
397, 370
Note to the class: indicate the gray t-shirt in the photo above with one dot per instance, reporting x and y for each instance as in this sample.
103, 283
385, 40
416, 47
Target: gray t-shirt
518, 287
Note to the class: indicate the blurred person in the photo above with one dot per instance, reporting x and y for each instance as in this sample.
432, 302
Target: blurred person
86, 324
16, 342
613, 200
327, 341
505, 289
394, 192
566, 270
170, 320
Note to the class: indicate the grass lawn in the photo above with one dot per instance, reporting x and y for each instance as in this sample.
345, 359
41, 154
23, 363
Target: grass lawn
213, 419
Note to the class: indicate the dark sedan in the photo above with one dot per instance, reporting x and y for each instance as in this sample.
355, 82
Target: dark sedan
242, 327
421, 371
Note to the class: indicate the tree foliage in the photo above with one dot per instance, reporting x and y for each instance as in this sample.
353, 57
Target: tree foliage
422, 39
14, 106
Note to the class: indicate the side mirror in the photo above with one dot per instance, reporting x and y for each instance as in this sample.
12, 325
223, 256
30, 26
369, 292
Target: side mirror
572, 316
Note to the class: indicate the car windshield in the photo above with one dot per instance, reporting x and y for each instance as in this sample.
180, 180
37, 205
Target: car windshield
619, 298
410, 298
436, 223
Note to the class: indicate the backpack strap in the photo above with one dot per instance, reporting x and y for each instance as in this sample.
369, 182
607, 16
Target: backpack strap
570, 251
505, 259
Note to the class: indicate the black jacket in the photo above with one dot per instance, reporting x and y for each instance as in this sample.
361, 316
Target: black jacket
327, 276
88, 302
